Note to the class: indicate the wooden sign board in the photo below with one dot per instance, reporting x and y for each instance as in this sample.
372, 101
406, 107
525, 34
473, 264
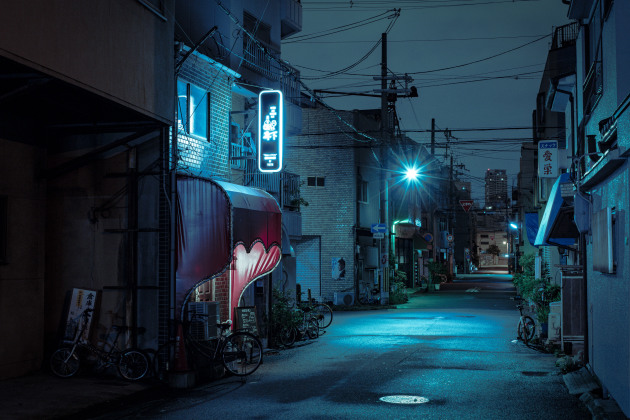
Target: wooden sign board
246, 319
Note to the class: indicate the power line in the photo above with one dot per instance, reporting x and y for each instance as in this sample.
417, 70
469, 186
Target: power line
428, 40
367, 5
287, 68
327, 32
482, 59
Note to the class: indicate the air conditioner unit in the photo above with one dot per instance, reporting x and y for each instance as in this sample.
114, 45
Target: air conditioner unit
203, 327
343, 298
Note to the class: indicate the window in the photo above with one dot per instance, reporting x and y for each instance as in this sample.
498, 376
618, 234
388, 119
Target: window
316, 181
261, 31
3, 229
593, 83
484, 236
192, 109
362, 192
604, 241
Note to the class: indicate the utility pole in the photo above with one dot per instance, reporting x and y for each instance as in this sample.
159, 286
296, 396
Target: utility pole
384, 262
432, 136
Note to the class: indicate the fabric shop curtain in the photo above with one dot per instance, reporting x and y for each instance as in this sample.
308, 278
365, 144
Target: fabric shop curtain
220, 222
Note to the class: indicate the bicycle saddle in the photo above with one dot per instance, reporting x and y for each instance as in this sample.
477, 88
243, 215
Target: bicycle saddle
225, 325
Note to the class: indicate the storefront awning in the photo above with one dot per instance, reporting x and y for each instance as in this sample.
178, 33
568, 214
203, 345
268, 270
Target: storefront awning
217, 221
531, 226
557, 227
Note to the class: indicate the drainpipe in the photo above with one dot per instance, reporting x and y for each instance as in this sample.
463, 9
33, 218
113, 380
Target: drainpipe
582, 235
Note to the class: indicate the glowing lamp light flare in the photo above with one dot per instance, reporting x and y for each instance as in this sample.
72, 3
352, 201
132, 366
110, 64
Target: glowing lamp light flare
411, 174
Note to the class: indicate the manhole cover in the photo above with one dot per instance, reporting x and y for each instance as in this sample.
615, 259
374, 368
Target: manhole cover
404, 399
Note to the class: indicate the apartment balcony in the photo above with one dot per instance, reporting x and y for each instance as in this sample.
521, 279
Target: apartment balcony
258, 61
290, 17
593, 87
268, 181
565, 36
291, 197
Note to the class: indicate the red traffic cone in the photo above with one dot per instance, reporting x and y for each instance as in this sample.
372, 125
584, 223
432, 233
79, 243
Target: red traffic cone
181, 361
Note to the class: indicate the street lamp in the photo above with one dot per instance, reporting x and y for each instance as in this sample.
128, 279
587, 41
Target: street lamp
514, 226
412, 174
408, 177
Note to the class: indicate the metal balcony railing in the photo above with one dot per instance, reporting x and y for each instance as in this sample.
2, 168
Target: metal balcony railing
565, 36
291, 190
258, 60
290, 84
239, 154
268, 181
593, 87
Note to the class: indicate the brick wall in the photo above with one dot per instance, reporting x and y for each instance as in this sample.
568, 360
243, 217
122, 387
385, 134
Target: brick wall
207, 158
217, 290
331, 211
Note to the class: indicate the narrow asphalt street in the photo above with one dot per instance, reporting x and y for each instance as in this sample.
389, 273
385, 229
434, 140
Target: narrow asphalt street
449, 354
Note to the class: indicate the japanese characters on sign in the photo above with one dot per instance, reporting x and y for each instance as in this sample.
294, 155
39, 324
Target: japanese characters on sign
548, 159
81, 300
270, 136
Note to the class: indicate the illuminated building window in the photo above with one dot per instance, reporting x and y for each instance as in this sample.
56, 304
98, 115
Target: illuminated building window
192, 109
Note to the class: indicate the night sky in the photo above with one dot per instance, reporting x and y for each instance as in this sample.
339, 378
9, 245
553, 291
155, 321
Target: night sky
435, 42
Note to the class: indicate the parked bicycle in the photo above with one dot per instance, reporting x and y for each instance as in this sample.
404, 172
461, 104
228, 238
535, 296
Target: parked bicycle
369, 296
239, 352
306, 327
526, 328
322, 313
132, 364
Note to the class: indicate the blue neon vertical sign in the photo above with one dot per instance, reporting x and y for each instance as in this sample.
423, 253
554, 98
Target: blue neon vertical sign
270, 131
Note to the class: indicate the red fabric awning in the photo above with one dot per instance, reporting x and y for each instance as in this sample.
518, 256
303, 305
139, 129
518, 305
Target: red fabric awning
214, 218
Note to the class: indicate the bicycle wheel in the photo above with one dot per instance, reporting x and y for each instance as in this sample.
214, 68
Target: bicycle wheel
64, 362
526, 329
312, 328
324, 314
287, 336
242, 353
133, 365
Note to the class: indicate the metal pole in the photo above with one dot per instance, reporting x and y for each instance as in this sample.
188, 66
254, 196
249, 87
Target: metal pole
384, 174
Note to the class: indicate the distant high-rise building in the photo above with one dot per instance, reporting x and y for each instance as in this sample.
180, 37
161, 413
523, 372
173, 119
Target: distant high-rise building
496, 188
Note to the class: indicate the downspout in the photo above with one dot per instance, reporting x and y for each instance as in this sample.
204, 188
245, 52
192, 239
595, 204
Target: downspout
582, 235
173, 202
357, 224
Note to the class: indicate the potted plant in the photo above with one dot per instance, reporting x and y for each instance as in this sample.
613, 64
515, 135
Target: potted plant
436, 272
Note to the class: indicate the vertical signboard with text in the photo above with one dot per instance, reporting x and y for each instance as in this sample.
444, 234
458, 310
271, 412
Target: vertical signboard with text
270, 127
548, 159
